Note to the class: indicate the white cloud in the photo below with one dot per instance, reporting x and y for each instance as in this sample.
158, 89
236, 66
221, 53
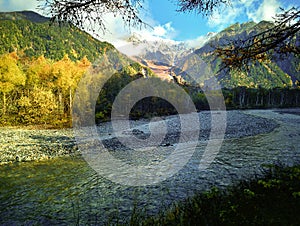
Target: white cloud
163, 31
118, 34
152, 32
199, 41
247, 3
117, 31
226, 15
266, 11
255, 10
17, 5
158, 33
153, 42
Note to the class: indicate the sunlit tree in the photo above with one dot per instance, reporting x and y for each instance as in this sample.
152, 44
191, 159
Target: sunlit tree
39, 73
11, 76
67, 74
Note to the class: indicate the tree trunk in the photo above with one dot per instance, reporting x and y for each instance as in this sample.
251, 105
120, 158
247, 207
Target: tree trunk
4, 104
61, 104
242, 98
281, 99
70, 102
257, 98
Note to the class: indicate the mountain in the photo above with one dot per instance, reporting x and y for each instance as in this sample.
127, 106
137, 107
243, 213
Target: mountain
165, 52
32, 34
164, 56
160, 55
42, 63
27, 15
280, 71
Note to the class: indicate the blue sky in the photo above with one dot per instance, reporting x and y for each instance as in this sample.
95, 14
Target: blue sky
169, 24
186, 25
190, 25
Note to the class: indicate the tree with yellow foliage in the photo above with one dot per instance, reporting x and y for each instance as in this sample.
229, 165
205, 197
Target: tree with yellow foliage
11, 76
67, 74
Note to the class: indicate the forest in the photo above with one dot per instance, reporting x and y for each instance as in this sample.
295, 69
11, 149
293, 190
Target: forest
41, 65
40, 91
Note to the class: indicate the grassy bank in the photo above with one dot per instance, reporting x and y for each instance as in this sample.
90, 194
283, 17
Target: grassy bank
271, 200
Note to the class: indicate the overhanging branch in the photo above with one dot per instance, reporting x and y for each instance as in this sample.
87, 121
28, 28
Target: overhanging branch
278, 38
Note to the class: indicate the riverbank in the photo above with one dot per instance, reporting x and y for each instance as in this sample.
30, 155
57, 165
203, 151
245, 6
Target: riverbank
22, 145
273, 199
67, 191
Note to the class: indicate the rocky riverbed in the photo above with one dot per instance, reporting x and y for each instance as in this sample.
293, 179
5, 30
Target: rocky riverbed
19, 145
68, 191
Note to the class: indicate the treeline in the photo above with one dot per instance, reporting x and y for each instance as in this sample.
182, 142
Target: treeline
236, 98
143, 108
39, 90
243, 97
252, 98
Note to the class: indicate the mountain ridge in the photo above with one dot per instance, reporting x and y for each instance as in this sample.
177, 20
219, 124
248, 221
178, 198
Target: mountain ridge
279, 71
31, 33
25, 14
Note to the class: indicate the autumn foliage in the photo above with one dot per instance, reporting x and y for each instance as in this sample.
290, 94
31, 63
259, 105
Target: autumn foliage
38, 90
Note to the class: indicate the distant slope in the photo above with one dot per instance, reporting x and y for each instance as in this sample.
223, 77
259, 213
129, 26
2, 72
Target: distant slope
34, 17
28, 15
281, 71
164, 56
31, 33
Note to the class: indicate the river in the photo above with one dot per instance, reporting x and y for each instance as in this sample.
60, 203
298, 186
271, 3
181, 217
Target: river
67, 191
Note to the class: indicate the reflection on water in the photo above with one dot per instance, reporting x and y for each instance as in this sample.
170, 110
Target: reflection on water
67, 191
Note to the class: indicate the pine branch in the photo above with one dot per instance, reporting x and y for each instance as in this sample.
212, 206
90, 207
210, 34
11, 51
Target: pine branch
277, 39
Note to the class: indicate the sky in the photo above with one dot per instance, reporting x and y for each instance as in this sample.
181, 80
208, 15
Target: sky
169, 24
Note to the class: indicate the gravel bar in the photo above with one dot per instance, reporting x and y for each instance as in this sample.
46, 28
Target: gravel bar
20, 145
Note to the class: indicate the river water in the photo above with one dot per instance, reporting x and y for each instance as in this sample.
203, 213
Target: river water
67, 191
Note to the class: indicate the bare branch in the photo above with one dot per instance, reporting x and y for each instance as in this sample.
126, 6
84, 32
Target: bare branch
204, 7
90, 14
